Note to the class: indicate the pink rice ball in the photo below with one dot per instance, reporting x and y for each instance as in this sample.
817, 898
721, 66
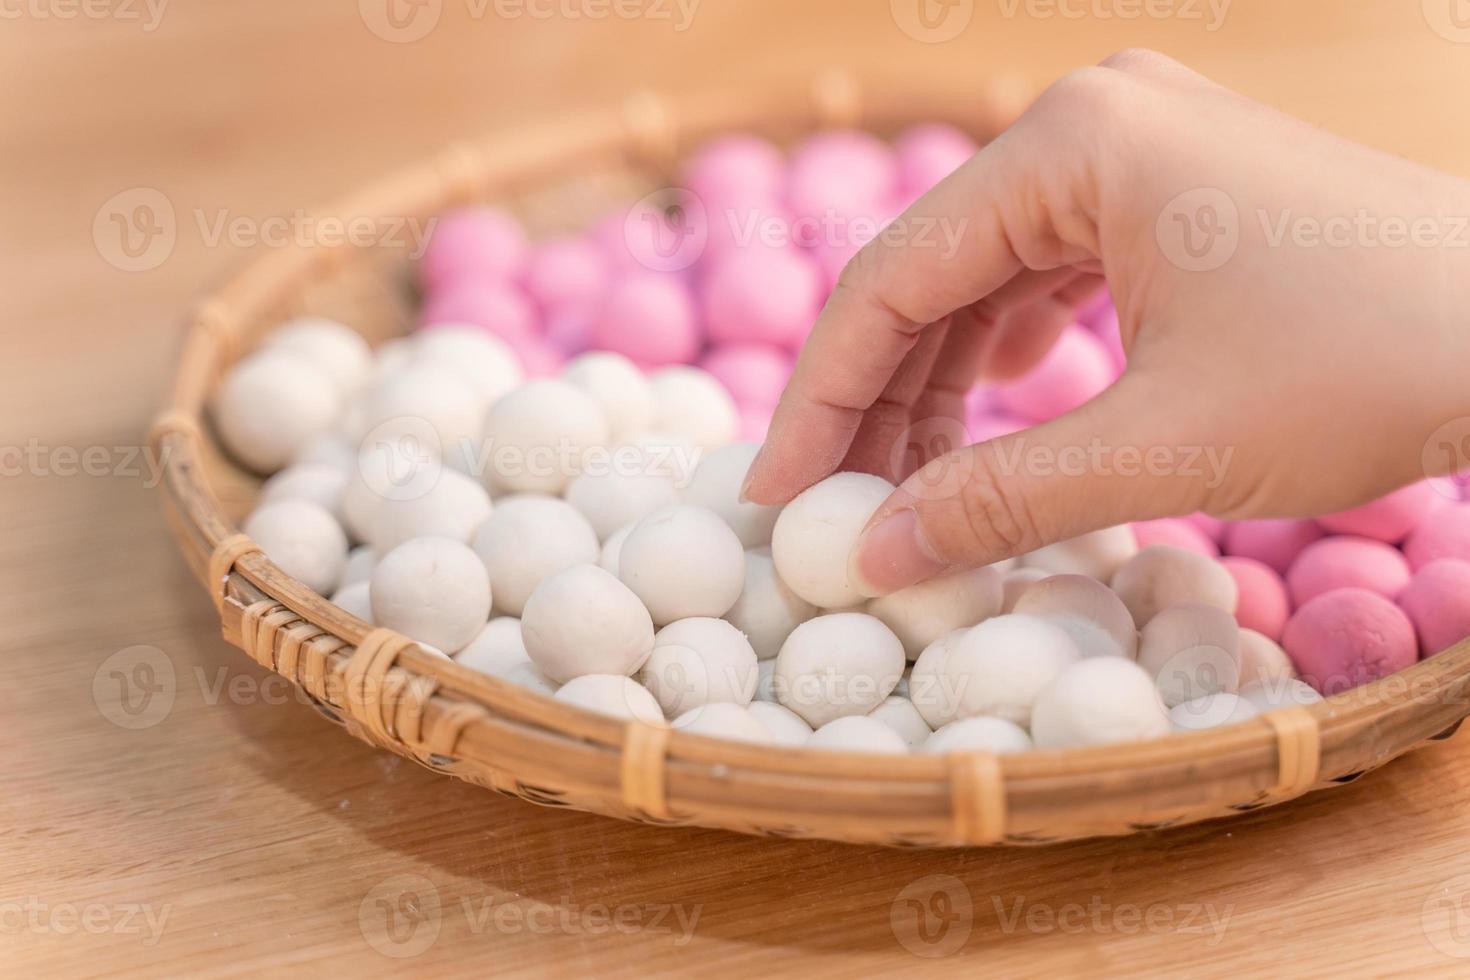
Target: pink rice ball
539, 358
495, 306
1264, 604
1389, 518
1075, 370
1437, 602
927, 154
839, 173
650, 318
1211, 527
647, 238
1097, 307
1348, 637
569, 331
762, 295
1347, 563
473, 244
1444, 533
567, 274
1177, 533
1110, 333
754, 424
739, 167
1275, 543
755, 374
740, 225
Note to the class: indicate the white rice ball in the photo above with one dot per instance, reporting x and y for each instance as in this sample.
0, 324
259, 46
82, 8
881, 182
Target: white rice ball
785, 726
1097, 555
1161, 576
454, 508
619, 388
538, 436
1090, 612
1099, 701
356, 599
716, 486
527, 539
433, 590
338, 350
1211, 711
327, 450
858, 733
936, 697
683, 562
815, 534
697, 662
303, 540
1191, 651
616, 497
424, 410
724, 720
922, 613
271, 405
691, 404
989, 735
765, 687
584, 621
321, 483
900, 715
612, 549
840, 665
1014, 584
767, 610
1262, 659
484, 362
1000, 667
611, 694
360, 563
665, 454
497, 647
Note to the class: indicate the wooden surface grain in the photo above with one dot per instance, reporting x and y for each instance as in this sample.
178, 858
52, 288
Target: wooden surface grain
200, 819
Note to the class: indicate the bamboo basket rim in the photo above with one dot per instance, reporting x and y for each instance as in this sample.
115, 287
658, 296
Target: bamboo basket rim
457, 720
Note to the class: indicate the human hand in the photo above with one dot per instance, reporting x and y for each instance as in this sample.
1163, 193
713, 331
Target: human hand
1315, 368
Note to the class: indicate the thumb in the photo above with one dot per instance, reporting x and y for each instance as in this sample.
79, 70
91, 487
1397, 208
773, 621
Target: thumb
1110, 461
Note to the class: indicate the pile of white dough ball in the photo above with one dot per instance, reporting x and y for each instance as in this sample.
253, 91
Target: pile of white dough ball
571, 536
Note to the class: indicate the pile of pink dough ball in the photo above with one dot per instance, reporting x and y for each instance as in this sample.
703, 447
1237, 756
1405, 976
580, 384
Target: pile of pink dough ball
732, 279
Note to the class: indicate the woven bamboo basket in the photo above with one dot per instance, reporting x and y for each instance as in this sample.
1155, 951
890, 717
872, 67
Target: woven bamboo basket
453, 720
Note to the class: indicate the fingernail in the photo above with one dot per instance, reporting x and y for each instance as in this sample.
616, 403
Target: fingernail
749, 480
893, 555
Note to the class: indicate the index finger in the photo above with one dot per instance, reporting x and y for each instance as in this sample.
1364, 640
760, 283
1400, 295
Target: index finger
948, 250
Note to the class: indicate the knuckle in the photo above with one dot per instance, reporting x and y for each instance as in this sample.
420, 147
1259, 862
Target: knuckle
1086, 92
996, 512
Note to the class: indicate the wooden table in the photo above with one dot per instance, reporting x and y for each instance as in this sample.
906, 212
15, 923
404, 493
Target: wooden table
223, 828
